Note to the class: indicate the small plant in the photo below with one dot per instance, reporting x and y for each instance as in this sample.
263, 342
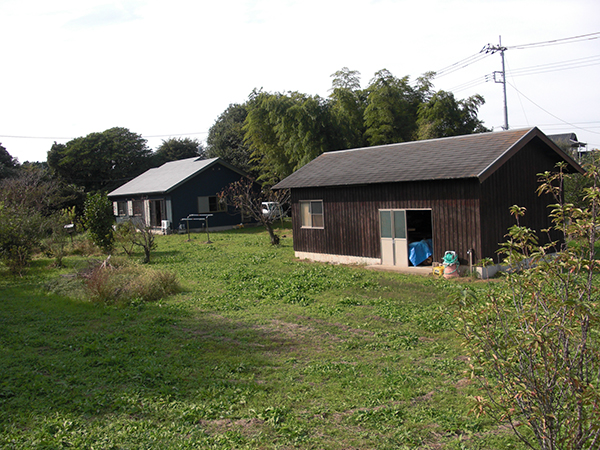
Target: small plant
56, 244
134, 233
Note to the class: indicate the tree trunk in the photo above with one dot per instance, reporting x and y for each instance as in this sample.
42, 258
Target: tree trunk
274, 237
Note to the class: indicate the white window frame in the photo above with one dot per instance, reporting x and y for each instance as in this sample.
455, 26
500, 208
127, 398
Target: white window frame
309, 218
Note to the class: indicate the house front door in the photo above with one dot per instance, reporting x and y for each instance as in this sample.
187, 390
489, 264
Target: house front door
394, 244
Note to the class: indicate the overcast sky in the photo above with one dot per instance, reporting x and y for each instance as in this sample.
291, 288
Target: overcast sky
169, 68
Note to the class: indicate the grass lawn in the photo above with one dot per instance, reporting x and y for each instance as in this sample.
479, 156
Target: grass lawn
259, 351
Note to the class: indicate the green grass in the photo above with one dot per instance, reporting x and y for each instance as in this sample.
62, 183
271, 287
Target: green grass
259, 351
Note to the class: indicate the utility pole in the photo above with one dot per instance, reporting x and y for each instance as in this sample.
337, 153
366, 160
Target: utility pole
500, 77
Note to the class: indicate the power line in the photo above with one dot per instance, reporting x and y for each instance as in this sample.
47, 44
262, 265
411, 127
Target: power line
549, 113
569, 40
460, 64
70, 138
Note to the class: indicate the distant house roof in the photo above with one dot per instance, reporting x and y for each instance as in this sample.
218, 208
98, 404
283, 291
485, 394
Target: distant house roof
167, 177
567, 139
470, 156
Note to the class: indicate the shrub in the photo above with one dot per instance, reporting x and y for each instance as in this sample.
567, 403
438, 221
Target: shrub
99, 219
118, 285
20, 233
535, 343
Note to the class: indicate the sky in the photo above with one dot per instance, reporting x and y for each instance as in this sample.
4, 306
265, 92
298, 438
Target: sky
168, 69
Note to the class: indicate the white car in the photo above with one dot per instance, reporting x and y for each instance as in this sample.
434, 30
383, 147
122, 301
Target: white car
272, 209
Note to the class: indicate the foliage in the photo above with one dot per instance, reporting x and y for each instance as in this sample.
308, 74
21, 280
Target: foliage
99, 219
132, 233
100, 161
348, 103
442, 116
536, 344
391, 112
20, 233
8, 164
247, 197
226, 138
55, 246
286, 131
575, 185
126, 284
174, 149
32, 187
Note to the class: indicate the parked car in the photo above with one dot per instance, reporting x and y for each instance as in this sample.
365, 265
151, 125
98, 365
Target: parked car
272, 209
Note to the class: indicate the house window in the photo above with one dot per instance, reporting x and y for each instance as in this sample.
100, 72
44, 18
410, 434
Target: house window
122, 208
211, 204
311, 213
138, 208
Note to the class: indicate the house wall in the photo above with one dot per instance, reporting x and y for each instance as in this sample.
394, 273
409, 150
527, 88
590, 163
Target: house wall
351, 216
184, 199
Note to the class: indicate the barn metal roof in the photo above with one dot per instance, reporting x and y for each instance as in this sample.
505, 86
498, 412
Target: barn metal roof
167, 177
470, 156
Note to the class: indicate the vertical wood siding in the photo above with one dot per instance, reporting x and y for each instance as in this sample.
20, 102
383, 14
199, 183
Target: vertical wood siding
466, 214
351, 216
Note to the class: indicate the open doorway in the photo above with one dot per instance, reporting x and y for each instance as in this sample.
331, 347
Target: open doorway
419, 236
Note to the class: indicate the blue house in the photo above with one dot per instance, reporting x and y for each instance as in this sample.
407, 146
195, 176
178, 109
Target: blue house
165, 196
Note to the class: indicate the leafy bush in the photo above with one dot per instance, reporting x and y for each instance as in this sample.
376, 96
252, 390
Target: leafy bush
20, 233
99, 219
535, 343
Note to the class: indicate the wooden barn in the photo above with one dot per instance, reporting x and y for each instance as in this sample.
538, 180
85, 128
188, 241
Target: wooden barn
407, 204
165, 196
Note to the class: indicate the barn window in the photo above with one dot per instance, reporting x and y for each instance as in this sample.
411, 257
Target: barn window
311, 213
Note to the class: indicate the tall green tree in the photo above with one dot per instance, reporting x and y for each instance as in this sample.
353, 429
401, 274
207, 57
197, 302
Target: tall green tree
174, 149
226, 139
442, 116
286, 131
100, 161
348, 104
391, 112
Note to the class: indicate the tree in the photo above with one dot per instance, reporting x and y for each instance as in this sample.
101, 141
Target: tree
247, 197
100, 161
174, 149
136, 232
20, 232
348, 103
442, 116
391, 112
226, 139
33, 187
535, 343
8, 164
99, 219
286, 131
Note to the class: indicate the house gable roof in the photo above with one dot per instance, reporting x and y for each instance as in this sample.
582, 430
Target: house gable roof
167, 177
470, 156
